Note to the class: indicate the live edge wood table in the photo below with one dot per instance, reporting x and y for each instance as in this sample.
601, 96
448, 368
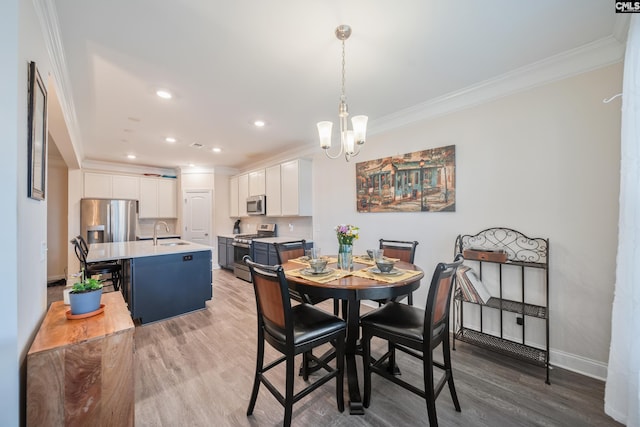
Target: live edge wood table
351, 290
80, 372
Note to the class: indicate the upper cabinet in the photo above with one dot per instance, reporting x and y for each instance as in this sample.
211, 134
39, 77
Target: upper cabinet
256, 183
233, 196
287, 187
158, 198
273, 191
110, 186
295, 177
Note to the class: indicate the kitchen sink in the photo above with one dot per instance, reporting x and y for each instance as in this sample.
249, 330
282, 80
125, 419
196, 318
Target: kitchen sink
174, 244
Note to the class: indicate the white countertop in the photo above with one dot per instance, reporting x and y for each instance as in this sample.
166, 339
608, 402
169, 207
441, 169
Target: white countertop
139, 249
228, 236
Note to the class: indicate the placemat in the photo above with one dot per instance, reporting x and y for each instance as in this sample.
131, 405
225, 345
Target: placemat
304, 260
406, 274
336, 274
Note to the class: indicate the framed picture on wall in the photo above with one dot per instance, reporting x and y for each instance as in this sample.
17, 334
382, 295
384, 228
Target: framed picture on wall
37, 122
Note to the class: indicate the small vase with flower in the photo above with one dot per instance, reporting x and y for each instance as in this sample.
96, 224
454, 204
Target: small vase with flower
346, 234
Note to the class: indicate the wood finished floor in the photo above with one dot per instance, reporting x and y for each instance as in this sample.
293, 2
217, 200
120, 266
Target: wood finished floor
197, 370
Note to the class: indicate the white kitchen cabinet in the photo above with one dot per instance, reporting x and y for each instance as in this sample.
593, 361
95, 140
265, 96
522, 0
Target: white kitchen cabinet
257, 183
158, 198
295, 184
125, 187
233, 196
273, 191
98, 185
167, 198
110, 186
243, 193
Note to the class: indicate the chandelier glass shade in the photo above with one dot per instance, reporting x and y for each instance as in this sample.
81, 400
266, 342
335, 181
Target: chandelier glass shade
350, 139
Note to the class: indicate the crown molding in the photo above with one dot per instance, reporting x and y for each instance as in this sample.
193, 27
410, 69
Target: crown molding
125, 168
48, 17
598, 54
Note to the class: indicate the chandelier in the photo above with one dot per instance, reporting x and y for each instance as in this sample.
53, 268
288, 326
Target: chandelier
350, 140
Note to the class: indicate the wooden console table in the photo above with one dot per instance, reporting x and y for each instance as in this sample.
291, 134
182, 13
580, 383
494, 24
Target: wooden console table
80, 372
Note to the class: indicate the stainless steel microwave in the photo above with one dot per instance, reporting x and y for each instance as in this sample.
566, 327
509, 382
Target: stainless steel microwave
257, 205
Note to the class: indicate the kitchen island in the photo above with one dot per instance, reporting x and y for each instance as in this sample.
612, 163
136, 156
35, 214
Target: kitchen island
162, 281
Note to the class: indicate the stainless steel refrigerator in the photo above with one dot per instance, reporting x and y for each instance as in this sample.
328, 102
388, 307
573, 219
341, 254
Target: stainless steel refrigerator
108, 220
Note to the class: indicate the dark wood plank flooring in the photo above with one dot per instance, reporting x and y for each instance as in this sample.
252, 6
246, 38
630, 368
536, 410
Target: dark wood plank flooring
197, 370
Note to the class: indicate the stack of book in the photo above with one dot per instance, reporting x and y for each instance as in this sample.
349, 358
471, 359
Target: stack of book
472, 288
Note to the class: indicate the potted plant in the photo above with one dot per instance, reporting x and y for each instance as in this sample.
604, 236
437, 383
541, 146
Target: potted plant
85, 295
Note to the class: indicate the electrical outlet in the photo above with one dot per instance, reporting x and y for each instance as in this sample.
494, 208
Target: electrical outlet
290, 227
520, 321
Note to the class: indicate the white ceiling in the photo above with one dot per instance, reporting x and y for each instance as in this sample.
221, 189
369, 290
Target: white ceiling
231, 62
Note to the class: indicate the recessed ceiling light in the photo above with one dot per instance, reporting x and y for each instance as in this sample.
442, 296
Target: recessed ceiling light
259, 123
170, 139
164, 94
216, 150
131, 156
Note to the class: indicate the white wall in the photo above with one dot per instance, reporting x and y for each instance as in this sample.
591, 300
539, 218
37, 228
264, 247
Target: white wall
11, 127
544, 162
22, 265
57, 217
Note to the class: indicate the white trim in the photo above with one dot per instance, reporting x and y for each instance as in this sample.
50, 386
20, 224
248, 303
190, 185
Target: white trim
48, 18
581, 365
118, 167
600, 53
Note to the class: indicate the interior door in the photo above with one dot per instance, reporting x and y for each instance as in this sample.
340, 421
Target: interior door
197, 216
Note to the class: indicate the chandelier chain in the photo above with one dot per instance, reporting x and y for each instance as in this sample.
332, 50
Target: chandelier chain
344, 96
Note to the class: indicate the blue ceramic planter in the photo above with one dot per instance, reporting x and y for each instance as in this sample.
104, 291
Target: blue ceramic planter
85, 302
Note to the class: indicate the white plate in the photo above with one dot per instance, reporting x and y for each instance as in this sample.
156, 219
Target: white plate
394, 271
310, 272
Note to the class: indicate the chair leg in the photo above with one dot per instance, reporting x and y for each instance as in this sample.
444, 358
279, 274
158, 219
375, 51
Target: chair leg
340, 377
446, 354
366, 350
256, 379
410, 298
336, 306
288, 397
304, 369
430, 397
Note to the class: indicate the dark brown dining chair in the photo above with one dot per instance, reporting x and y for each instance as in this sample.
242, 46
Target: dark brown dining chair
295, 249
403, 250
98, 268
292, 330
418, 333
85, 249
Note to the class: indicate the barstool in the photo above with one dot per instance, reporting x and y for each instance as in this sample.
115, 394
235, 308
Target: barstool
97, 268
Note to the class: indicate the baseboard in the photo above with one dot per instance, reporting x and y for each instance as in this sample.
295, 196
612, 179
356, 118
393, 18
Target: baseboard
581, 365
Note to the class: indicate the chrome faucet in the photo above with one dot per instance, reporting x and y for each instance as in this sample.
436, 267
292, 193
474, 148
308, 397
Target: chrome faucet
155, 231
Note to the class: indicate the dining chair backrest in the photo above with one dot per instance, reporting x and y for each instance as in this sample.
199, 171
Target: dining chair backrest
83, 244
82, 257
436, 320
272, 298
290, 250
403, 250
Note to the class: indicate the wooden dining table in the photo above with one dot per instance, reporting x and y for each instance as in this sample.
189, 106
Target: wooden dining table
351, 289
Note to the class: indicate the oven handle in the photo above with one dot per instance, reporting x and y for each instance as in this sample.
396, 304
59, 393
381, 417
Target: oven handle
241, 245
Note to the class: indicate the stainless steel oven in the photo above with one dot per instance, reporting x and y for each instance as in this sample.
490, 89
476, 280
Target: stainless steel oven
242, 245
241, 248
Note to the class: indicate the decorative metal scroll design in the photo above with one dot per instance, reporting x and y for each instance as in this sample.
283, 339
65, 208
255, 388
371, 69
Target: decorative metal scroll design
518, 246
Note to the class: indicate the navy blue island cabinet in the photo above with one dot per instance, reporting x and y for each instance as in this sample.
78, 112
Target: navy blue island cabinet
164, 286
